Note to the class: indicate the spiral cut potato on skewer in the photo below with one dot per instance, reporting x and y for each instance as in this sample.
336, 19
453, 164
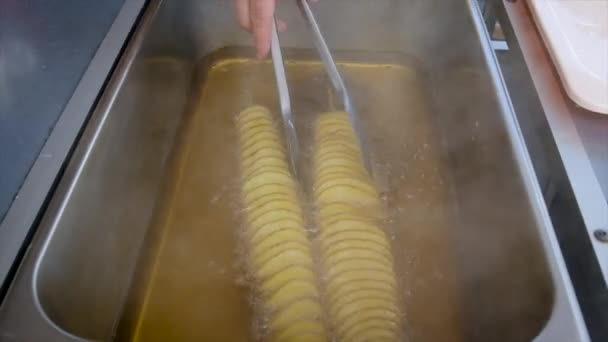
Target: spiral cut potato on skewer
279, 248
356, 262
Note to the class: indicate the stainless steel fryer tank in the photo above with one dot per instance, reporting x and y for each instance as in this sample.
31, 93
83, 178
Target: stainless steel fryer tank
140, 241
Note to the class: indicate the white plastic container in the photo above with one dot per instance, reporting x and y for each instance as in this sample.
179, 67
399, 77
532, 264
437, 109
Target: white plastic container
576, 34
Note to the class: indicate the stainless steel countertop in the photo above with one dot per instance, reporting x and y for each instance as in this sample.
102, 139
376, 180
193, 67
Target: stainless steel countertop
593, 131
570, 148
45, 46
55, 57
581, 136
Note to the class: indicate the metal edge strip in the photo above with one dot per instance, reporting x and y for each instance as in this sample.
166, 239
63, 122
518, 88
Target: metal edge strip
32, 196
566, 320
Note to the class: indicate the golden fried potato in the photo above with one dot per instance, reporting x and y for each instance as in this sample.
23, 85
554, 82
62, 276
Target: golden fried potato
356, 261
280, 254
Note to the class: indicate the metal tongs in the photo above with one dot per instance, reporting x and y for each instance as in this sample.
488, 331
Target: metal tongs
334, 76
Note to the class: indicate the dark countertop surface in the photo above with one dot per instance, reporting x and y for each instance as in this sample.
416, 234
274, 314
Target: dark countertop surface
45, 46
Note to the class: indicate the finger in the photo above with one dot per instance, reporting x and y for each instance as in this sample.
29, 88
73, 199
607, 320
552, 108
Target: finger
282, 25
242, 13
262, 13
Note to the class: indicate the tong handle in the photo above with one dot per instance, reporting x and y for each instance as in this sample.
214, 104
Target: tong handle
279, 70
336, 80
291, 137
325, 54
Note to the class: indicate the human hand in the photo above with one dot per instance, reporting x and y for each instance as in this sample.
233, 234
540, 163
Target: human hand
256, 16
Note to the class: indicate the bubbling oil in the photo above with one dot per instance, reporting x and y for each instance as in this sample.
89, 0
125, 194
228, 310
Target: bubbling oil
198, 285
